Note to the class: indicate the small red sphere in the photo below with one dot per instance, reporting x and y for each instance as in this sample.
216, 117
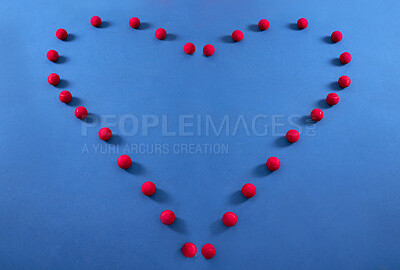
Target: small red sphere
53, 79
189, 250
189, 48
229, 219
336, 36
332, 99
302, 23
345, 58
65, 96
61, 34
52, 55
167, 217
292, 136
208, 50
124, 162
134, 22
344, 81
95, 21
317, 115
105, 133
273, 163
81, 112
208, 251
263, 24
148, 188
249, 190
237, 35
160, 33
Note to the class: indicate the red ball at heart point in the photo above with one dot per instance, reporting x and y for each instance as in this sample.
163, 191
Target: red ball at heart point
292, 136
95, 21
237, 35
302, 23
208, 50
229, 219
53, 79
61, 34
81, 112
160, 33
65, 96
345, 58
249, 190
273, 164
208, 251
189, 250
134, 22
52, 55
105, 133
124, 162
263, 24
167, 217
148, 188
344, 81
336, 36
189, 48
317, 115
332, 99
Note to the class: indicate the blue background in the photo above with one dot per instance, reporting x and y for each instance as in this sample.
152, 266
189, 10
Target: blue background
334, 204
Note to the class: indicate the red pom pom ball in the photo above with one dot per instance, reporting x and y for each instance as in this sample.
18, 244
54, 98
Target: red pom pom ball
148, 188
273, 164
52, 55
237, 35
160, 33
263, 24
189, 250
208, 50
105, 133
229, 219
332, 99
189, 48
61, 34
317, 115
345, 58
292, 136
249, 190
302, 23
344, 81
134, 22
124, 162
53, 79
167, 217
95, 21
81, 112
65, 96
336, 36
208, 251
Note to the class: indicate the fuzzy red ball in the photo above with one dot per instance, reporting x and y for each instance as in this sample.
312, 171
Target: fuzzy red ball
273, 164
263, 24
189, 250
134, 22
81, 112
189, 48
229, 219
95, 21
302, 23
249, 190
61, 34
344, 81
167, 217
65, 96
148, 188
105, 133
336, 36
124, 162
53, 79
52, 55
208, 251
161, 33
345, 58
292, 136
208, 50
332, 99
237, 35
317, 115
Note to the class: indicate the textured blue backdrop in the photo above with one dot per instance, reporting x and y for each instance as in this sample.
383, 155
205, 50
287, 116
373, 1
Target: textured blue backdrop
334, 204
